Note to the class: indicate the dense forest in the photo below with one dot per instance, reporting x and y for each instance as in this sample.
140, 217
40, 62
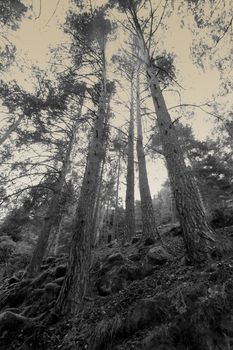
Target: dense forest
116, 164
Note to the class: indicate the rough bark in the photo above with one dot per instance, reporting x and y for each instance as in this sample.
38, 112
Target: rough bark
129, 203
100, 182
197, 234
97, 205
55, 243
76, 280
148, 216
115, 220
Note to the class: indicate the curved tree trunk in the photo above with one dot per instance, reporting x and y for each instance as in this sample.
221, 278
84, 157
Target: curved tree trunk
148, 215
129, 203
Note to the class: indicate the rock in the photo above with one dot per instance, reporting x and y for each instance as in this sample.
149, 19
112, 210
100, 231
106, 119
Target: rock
19, 274
145, 312
212, 267
117, 279
44, 267
115, 258
60, 271
129, 272
135, 240
37, 293
15, 310
158, 255
111, 283
16, 298
227, 325
10, 320
157, 339
134, 257
25, 282
127, 244
52, 289
112, 260
51, 259
176, 231
147, 269
149, 241
13, 280
40, 280
59, 281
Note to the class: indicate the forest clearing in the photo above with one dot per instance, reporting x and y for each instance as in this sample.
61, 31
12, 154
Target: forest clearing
116, 186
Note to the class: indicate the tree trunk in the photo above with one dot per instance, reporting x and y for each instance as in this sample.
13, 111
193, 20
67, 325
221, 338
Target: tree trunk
115, 220
42, 242
97, 205
56, 241
75, 284
148, 215
53, 210
197, 233
104, 145
129, 205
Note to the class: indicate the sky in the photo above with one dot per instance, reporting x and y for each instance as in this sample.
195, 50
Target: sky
38, 34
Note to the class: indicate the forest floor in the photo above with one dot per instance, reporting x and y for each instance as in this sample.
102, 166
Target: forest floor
141, 297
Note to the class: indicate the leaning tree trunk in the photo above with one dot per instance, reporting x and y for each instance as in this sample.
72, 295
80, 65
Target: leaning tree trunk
57, 236
42, 242
129, 203
75, 284
53, 211
148, 215
197, 234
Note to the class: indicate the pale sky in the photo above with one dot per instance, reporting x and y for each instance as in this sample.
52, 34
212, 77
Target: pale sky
37, 36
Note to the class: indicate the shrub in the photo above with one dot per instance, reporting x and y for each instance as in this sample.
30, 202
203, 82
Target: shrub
7, 247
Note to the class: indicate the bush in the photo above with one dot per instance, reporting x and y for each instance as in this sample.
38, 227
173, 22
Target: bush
20, 257
222, 217
7, 247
